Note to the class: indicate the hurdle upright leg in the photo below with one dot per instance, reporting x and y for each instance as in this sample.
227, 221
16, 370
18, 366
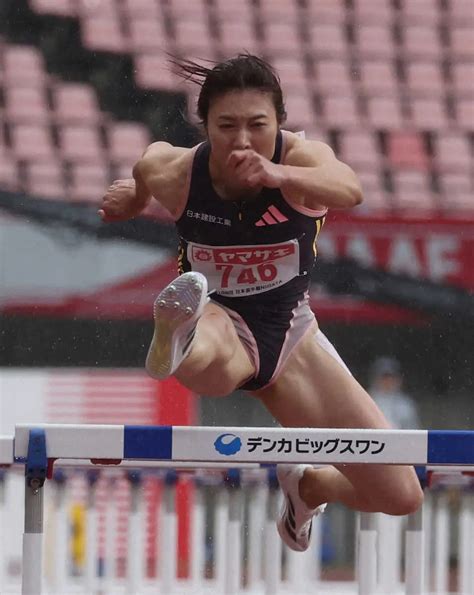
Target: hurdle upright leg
414, 554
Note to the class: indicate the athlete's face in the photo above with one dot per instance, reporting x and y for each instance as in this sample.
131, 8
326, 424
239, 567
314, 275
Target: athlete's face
242, 120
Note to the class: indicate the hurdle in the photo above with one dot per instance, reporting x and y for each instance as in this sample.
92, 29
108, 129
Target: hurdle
37, 447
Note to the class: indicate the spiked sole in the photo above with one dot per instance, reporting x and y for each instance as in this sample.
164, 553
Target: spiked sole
176, 312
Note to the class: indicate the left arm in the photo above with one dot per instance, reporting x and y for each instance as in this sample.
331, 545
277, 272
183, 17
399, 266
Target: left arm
312, 174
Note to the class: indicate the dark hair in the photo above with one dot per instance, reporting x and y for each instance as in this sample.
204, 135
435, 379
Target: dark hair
245, 71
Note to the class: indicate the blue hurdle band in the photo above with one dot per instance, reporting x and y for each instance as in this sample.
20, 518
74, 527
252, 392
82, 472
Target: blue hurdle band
258, 445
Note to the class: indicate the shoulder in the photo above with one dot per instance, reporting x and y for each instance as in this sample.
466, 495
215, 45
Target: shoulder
160, 154
306, 153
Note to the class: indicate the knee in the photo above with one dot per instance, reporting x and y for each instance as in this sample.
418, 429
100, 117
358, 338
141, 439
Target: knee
406, 500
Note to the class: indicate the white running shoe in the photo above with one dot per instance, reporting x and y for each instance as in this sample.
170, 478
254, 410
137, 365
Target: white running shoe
296, 519
177, 310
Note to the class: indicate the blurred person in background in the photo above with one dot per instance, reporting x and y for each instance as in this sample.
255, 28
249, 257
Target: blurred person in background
248, 204
385, 387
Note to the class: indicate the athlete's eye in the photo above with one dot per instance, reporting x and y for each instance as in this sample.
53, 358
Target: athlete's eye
226, 126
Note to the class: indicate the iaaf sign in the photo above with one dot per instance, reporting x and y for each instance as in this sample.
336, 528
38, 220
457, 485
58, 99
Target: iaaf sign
440, 250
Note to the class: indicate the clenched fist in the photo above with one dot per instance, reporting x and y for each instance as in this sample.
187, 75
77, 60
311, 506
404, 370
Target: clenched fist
252, 169
120, 202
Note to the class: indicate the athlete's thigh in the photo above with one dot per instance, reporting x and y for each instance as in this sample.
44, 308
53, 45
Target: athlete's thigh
317, 390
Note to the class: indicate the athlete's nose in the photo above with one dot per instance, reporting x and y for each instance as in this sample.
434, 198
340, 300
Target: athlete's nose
242, 140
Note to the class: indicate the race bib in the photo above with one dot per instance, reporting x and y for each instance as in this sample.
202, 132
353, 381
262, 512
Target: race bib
237, 271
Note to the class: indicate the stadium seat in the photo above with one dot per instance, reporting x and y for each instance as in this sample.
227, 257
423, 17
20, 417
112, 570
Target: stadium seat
100, 33
428, 113
76, 103
325, 11
279, 11
360, 150
461, 45
281, 39
459, 12
127, 141
384, 112
26, 104
374, 42
378, 78
9, 175
424, 78
332, 76
237, 12
340, 112
147, 35
412, 194
195, 10
376, 199
63, 8
88, 182
421, 41
153, 71
193, 37
452, 152
420, 12
292, 72
407, 150
368, 11
45, 179
462, 76
107, 9
80, 144
458, 193
464, 109
300, 111
32, 141
238, 37
23, 65
327, 40
142, 9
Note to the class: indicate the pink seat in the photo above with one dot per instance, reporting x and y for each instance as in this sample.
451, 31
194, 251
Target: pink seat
193, 37
64, 8
103, 9
127, 141
279, 11
374, 41
32, 141
282, 39
340, 112
147, 35
407, 149
122, 170
461, 43
238, 37
412, 193
384, 112
242, 11
465, 113
421, 41
332, 76
428, 113
45, 179
195, 10
360, 150
9, 175
368, 11
325, 11
153, 71
76, 103
378, 77
452, 152
300, 111
458, 193
462, 75
142, 9
103, 34
26, 104
420, 12
424, 78
328, 40
23, 65
292, 72
80, 144
459, 12
376, 198
88, 182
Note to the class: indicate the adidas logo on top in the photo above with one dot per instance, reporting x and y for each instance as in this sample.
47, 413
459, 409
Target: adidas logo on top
272, 216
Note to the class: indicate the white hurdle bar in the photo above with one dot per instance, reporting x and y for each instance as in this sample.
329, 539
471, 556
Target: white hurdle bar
36, 446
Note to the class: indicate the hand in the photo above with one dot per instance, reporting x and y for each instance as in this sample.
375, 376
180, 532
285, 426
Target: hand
120, 202
252, 169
